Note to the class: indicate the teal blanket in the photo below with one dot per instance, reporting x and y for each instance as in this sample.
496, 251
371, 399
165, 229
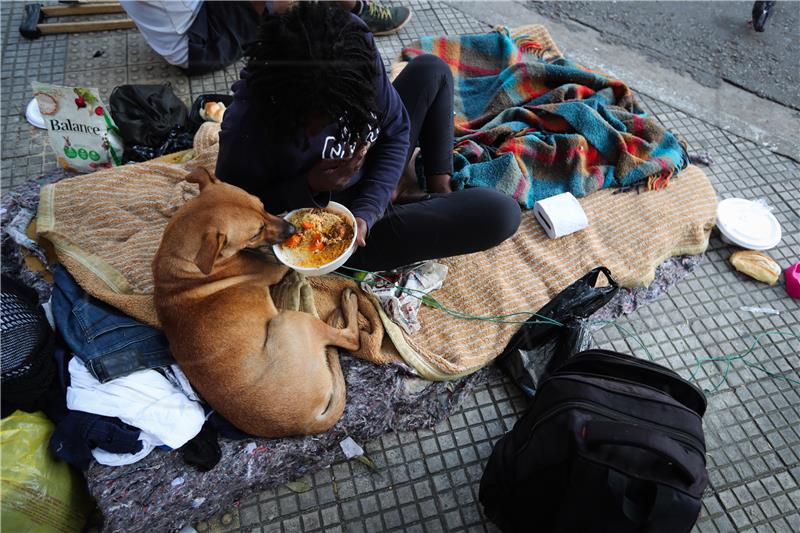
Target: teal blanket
535, 128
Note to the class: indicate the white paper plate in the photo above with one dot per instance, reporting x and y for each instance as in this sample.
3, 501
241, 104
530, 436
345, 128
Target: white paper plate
33, 115
748, 224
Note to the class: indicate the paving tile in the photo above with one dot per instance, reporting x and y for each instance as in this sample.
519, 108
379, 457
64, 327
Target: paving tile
97, 50
139, 52
161, 73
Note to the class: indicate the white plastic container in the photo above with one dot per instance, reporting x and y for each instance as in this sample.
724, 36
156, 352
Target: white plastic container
34, 116
327, 268
748, 224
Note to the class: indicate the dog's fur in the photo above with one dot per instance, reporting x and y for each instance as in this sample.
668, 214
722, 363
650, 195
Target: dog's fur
270, 373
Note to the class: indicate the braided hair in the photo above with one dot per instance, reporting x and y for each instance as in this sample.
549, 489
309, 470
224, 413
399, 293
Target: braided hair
313, 60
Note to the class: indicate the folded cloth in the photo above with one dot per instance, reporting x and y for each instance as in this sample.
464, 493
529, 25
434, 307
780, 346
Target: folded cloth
534, 124
144, 399
203, 451
110, 343
106, 458
79, 436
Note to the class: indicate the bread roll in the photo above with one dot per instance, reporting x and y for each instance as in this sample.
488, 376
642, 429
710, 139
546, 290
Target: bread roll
213, 111
756, 265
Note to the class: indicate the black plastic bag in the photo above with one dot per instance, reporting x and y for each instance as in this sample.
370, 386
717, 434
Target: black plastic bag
176, 141
147, 114
537, 348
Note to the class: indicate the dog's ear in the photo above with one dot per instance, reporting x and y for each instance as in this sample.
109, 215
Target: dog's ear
213, 242
202, 177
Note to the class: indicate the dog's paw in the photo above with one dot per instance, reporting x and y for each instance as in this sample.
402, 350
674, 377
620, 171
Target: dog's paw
336, 320
349, 300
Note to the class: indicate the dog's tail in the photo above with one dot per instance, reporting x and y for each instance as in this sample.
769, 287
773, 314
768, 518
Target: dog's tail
334, 407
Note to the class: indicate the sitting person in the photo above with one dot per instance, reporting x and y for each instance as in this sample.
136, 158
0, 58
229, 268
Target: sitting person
315, 118
202, 37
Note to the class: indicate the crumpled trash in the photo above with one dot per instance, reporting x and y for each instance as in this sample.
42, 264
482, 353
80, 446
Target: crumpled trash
760, 310
400, 291
16, 230
351, 448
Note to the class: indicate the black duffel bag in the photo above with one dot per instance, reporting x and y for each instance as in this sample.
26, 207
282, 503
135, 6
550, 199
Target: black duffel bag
610, 443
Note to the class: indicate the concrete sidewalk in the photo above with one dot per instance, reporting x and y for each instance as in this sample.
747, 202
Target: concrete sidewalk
427, 480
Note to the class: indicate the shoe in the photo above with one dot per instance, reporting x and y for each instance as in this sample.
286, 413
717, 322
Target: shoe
382, 20
761, 12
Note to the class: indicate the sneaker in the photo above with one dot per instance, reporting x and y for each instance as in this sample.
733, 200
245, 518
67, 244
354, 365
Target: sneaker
382, 20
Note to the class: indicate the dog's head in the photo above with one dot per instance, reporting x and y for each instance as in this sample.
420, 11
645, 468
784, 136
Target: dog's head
234, 220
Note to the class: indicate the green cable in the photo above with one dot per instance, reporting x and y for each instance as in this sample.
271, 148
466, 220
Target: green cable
432, 302
628, 333
729, 359
502, 319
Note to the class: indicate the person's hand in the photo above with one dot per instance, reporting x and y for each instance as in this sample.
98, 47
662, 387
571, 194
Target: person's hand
334, 174
361, 232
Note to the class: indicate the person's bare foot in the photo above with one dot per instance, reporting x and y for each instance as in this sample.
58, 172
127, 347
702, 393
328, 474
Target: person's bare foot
408, 187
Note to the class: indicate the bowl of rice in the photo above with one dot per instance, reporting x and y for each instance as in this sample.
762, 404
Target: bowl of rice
325, 239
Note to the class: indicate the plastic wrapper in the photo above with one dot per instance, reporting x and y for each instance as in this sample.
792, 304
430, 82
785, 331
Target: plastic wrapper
540, 346
401, 292
39, 492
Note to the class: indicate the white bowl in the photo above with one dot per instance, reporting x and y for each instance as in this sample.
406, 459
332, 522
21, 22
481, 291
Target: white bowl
327, 268
34, 116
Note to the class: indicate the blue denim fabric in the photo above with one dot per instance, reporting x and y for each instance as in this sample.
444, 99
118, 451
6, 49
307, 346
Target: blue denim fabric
110, 343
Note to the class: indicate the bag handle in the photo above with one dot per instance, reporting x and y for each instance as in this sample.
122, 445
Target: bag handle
598, 432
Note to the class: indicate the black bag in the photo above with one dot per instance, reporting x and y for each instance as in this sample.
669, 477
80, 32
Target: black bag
26, 353
570, 307
147, 116
610, 443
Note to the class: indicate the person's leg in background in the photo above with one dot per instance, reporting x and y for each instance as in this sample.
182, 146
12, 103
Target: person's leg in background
441, 224
380, 19
426, 88
218, 33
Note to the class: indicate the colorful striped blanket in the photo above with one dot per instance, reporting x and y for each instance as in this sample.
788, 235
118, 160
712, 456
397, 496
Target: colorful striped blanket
536, 127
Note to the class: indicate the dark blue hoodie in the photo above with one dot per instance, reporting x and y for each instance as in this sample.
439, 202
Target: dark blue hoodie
277, 172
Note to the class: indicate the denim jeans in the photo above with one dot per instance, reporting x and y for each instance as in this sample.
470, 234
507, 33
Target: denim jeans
110, 343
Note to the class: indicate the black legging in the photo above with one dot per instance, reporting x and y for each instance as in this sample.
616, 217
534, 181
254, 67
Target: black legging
218, 33
461, 222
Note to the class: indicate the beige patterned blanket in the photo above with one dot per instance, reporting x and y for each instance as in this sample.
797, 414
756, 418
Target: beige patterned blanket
107, 226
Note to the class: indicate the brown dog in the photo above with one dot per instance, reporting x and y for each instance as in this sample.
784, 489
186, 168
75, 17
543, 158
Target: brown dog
270, 373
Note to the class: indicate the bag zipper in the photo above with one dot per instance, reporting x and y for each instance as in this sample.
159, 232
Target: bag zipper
648, 365
640, 363
677, 403
613, 414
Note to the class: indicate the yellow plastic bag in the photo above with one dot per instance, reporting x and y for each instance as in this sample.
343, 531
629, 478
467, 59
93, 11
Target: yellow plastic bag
38, 492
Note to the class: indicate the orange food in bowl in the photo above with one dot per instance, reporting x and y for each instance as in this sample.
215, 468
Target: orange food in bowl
322, 236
